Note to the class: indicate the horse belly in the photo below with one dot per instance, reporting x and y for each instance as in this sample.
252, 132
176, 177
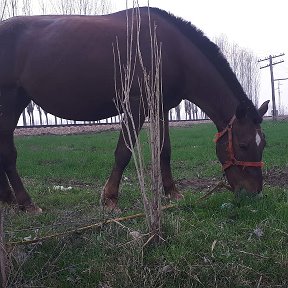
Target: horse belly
79, 92
76, 107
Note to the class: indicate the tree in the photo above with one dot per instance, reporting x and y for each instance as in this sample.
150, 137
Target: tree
178, 112
12, 8
188, 109
3, 7
26, 7
82, 7
244, 64
30, 109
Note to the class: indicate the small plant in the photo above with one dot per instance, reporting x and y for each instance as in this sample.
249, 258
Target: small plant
150, 106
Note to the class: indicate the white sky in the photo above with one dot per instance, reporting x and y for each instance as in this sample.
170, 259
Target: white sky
256, 25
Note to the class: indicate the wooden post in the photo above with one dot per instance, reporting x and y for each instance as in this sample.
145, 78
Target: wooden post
270, 65
274, 112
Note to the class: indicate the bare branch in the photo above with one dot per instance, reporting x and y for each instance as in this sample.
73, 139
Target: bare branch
150, 104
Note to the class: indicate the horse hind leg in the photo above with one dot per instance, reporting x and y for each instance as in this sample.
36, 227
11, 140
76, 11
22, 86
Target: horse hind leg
12, 103
169, 186
109, 197
110, 193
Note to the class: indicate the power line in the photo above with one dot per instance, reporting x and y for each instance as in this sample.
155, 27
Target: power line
270, 65
271, 56
281, 79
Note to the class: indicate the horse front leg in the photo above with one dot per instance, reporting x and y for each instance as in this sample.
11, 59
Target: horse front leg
11, 105
8, 166
6, 193
169, 186
110, 193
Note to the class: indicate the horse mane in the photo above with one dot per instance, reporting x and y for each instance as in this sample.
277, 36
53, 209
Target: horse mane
214, 54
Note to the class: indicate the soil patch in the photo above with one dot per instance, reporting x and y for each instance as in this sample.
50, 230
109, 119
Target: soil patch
87, 129
275, 177
198, 184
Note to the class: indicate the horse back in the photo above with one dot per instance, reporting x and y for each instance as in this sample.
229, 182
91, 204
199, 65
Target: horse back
61, 57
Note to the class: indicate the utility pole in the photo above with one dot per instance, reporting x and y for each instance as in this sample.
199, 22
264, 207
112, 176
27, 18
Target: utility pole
270, 65
279, 90
279, 97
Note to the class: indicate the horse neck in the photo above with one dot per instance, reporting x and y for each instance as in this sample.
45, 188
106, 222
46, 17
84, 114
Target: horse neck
207, 88
219, 105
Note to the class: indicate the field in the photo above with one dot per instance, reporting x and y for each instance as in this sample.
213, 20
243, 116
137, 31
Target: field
219, 242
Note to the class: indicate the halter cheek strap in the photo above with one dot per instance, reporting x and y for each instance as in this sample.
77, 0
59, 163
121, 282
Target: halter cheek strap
232, 161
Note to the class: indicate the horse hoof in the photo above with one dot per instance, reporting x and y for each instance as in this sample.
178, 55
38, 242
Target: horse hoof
32, 209
111, 207
112, 210
175, 196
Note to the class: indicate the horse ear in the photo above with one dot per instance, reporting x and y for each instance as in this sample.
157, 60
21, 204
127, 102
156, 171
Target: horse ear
241, 111
263, 108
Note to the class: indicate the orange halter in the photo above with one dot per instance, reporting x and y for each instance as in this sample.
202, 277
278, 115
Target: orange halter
232, 161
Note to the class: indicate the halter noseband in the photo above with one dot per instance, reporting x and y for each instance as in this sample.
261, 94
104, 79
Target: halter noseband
232, 161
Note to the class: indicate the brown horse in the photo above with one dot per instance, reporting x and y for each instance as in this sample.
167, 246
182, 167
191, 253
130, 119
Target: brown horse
65, 64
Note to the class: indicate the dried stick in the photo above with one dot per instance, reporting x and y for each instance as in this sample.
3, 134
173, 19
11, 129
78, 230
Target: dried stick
109, 221
3, 253
150, 104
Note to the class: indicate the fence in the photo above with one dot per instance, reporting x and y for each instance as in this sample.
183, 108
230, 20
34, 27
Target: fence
34, 115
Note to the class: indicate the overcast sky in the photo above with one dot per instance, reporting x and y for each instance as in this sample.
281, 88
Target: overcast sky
257, 25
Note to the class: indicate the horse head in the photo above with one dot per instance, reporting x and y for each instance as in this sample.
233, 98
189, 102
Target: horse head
239, 148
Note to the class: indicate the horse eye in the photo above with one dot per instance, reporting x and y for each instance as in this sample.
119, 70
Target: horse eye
243, 146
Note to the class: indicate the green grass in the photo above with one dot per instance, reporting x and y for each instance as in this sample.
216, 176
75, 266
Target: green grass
220, 242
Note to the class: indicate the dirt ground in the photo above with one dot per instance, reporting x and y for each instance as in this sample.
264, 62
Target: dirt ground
65, 130
275, 177
86, 129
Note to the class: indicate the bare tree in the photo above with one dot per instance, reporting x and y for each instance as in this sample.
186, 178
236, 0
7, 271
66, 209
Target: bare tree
46, 116
26, 7
3, 8
30, 109
245, 65
43, 6
188, 109
178, 112
82, 7
195, 110
40, 114
170, 115
13, 6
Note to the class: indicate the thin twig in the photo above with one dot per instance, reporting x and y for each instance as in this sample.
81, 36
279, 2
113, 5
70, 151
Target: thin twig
279, 230
3, 253
253, 254
219, 185
98, 225
77, 230
259, 281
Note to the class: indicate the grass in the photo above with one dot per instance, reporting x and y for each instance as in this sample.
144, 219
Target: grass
220, 242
